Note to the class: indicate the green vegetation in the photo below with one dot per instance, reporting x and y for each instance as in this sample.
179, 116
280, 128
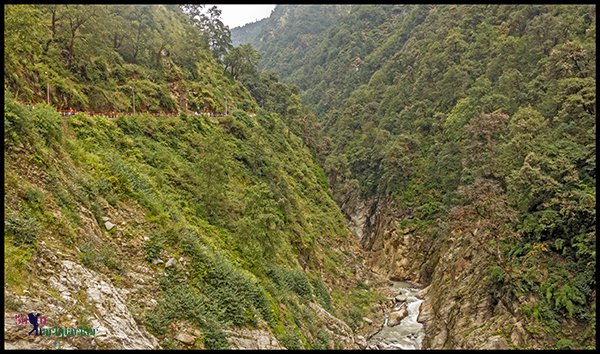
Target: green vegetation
241, 196
93, 256
482, 117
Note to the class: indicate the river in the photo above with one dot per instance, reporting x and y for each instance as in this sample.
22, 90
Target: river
409, 333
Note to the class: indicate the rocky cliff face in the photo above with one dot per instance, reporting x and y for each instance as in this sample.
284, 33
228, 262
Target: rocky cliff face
463, 308
69, 295
390, 250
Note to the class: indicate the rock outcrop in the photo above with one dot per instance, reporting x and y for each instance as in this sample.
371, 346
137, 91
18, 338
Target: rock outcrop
253, 338
390, 250
340, 334
462, 308
75, 297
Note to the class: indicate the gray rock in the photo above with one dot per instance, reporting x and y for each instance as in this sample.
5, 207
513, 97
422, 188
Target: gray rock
104, 219
519, 336
185, 338
361, 341
117, 327
170, 263
396, 317
401, 298
109, 225
495, 342
421, 294
368, 320
157, 261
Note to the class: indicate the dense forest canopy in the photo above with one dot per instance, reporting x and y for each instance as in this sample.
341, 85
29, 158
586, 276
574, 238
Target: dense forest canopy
479, 115
240, 195
94, 55
480, 119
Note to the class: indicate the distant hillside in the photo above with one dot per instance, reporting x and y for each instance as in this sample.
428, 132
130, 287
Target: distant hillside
292, 33
478, 120
246, 33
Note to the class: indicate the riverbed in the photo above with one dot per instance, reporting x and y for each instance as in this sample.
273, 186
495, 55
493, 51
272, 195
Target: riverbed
409, 333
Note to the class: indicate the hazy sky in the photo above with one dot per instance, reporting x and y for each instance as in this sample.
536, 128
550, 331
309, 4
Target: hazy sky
238, 15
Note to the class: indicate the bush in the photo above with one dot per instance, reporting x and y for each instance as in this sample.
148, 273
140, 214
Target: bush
230, 288
322, 295
322, 340
35, 198
361, 285
153, 247
48, 123
93, 256
565, 344
22, 225
12, 303
183, 302
290, 341
243, 117
18, 121
290, 280
496, 274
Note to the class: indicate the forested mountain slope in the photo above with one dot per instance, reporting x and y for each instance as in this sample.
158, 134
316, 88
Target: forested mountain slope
291, 34
245, 34
187, 231
477, 124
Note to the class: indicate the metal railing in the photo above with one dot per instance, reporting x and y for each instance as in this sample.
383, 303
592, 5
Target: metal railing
71, 112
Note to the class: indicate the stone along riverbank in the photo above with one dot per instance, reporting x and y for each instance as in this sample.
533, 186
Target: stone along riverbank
401, 329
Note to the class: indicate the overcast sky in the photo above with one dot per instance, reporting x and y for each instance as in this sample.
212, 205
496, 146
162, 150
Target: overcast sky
238, 15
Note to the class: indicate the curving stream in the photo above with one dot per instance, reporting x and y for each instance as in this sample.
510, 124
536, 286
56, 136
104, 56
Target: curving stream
409, 333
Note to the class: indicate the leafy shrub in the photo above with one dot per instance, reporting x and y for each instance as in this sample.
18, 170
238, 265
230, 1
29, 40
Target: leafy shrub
12, 303
22, 225
290, 341
290, 280
68, 206
48, 123
322, 295
496, 274
353, 318
322, 340
243, 117
18, 121
565, 344
183, 302
231, 289
153, 247
361, 285
429, 210
35, 197
246, 104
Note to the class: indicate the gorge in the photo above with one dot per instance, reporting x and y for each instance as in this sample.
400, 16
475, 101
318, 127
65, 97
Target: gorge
345, 177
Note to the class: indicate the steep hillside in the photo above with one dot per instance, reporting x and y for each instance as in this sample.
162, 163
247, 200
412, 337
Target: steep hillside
245, 34
116, 56
291, 34
187, 225
462, 151
184, 231
447, 145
